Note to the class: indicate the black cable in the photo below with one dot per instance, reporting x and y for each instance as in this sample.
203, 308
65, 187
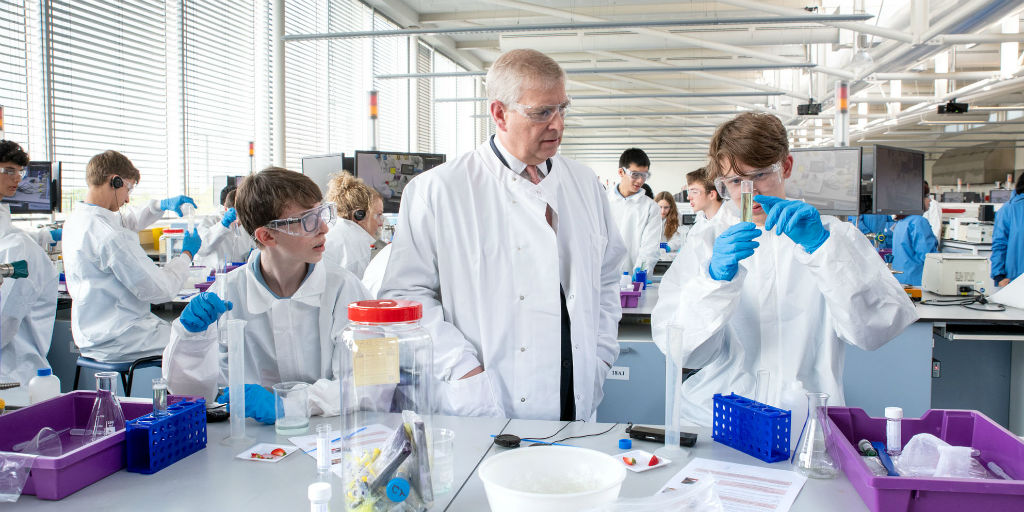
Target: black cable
552, 435
967, 302
587, 435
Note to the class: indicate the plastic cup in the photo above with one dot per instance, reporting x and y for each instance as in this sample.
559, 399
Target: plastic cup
443, 472
291, 403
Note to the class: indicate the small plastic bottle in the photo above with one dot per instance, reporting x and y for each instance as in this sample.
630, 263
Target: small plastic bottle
893, 432
44, 386
319, 496
625, 283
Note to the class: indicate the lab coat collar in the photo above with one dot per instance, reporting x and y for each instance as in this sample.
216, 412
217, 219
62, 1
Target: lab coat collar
617, 194
259, 299
353, 229
91, 209
514, 164
5, 218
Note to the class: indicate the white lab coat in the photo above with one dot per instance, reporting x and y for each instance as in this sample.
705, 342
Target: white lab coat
223, 245
934, 218
42, 237
476, 251
113, 283
27, 306
676, 242
373, 276
785, 311
289, 339
348, 246
639, 221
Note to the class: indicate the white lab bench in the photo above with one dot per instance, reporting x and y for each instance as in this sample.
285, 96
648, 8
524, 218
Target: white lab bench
212, 479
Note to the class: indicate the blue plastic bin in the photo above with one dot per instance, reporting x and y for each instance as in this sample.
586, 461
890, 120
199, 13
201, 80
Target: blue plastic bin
751, 427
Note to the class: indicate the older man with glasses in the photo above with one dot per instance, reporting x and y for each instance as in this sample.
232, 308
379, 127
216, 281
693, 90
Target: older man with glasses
514, 254
636, 215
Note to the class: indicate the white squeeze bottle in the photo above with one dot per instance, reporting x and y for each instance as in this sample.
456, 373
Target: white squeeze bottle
44, 386
625, 283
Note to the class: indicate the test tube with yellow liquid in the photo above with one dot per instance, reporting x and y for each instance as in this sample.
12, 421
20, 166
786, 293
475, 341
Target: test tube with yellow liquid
747, 200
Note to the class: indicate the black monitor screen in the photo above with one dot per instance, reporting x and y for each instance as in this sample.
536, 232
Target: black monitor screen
826, 178
388, 173
999, 195
36, 190
899, 181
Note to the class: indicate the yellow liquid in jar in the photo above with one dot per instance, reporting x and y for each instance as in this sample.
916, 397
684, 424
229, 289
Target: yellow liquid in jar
747, 203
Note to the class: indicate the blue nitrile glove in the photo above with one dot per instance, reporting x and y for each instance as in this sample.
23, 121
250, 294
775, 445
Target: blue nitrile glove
733, 245
55, 234
800, 221
192, 243
259, 403
203, 310
173, 204
229, 217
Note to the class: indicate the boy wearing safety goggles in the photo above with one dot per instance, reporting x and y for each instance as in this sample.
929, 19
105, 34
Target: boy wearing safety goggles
293, 306
636, 215
786, 299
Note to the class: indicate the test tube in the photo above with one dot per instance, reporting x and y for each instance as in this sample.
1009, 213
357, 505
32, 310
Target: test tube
234, 329
323, 451
160, 397
189, 213
893, 434
747, 200
761, 386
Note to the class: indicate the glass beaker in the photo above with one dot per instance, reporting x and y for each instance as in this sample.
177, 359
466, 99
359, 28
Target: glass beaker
106, 417
811, 457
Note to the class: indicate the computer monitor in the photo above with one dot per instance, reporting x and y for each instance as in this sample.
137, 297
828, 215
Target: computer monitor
320, 168
892, 181
389, 172
38, 191
999, 195
826, 178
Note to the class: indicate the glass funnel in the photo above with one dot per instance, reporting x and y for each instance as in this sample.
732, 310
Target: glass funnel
811, 456
106, 417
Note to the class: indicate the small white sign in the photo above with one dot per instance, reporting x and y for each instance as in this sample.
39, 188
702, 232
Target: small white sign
618, 373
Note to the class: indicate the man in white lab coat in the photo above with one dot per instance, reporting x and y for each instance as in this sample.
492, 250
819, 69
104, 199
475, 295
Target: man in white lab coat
513, 252
111, 280
788, 300
636, 215
28, 305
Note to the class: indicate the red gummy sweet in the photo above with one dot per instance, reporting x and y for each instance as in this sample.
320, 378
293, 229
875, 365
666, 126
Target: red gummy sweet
654, 461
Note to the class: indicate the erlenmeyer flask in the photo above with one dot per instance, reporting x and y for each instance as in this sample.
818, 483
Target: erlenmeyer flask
106, 417
811, 456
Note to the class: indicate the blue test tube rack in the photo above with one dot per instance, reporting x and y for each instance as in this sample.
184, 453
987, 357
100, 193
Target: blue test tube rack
155, 442
751, 427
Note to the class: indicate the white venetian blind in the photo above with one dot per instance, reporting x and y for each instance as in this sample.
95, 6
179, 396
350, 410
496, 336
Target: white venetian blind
13, 74
109, 70
391, 55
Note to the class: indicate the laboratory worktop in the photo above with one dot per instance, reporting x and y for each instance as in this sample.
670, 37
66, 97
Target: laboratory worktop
213, 479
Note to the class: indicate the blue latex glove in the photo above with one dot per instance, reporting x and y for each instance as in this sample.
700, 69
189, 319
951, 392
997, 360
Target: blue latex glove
203, 310
229, 216
173, 204
800, 221
192, 243
55, 234
733, 245
259, 403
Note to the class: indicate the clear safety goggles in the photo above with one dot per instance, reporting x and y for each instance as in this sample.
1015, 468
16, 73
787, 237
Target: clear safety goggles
542, 113
729, 186
11, 171
307, 223
636, 175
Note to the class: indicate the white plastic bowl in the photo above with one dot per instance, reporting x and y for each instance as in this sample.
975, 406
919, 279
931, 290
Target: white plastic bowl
550, 479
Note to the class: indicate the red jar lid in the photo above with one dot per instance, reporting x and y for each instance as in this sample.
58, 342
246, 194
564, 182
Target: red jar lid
385, 311
173, 231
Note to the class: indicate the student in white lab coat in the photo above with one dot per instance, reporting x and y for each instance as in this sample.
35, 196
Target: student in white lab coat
933, 213
636, 215
295, 308
27, 305
111, 280
787, 300
672, 232
224, 240
704, 199
361, 212
13, 160
496, 242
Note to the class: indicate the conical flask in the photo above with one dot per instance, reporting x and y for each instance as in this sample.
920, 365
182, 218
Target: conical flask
811, 456
106, 417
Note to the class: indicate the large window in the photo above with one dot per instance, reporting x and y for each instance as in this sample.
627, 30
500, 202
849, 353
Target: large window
13, 72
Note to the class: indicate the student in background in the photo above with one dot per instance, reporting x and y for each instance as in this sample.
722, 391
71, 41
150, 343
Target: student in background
224, 241
27, 305
704, 199
361, 213
912, 239
672, 232
13, 160
635, 214
1008, 238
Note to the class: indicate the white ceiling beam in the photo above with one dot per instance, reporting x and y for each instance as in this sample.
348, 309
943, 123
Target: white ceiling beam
581, 41
865, 28
405, 16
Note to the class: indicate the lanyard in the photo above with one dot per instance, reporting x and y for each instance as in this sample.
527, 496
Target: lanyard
505, 162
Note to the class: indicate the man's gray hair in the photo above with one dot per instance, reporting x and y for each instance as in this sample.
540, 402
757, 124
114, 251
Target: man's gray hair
517, 70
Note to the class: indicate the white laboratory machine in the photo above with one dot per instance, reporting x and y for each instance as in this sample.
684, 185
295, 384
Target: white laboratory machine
955, 274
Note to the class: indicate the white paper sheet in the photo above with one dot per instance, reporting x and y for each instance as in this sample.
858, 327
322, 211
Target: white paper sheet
743, 488
1010, 295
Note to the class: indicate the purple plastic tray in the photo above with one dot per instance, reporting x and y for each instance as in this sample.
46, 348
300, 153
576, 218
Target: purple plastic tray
204, 286
958, 428
629, 299
53, 478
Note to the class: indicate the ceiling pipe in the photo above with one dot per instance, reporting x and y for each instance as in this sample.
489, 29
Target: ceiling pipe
574, 97
887, 33
599, 71
589, 42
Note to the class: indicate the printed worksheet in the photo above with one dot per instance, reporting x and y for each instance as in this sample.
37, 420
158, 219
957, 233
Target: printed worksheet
740, 487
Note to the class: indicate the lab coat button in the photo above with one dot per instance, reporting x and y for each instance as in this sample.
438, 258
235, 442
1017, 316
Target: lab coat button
521, 297
522, 399
522, 349
577, 347
565, 364
571, 296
